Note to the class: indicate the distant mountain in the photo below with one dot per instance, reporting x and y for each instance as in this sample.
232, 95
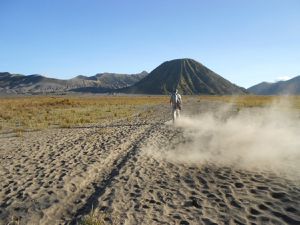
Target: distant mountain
188, 76
291, 86
18, 83
114, 80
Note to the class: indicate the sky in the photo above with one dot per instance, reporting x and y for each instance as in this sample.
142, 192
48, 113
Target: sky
245, 41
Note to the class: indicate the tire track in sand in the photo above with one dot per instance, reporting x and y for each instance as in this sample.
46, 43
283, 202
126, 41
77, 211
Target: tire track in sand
118, 164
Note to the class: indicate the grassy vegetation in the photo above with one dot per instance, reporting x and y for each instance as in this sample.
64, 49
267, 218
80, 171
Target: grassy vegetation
93, 219
40, 112
254, 100
19, 114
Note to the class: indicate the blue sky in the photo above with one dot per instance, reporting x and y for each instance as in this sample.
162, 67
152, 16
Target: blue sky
245, 41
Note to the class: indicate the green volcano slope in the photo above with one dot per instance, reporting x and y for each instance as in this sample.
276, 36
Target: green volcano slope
188, 76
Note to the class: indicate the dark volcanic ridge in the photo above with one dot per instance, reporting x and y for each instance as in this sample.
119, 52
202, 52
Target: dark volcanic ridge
288, 87
188, 76
102, 82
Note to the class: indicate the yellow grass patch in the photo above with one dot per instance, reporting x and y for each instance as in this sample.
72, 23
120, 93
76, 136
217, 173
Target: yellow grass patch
40, 112
19, 114
254, 100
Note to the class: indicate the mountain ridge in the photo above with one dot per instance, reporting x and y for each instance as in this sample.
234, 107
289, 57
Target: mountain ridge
36, 83
291, 86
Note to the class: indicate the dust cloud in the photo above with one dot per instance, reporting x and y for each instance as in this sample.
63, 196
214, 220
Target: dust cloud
252, 138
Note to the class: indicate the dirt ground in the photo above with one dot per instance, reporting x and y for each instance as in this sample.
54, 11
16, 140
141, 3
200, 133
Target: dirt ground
57, 176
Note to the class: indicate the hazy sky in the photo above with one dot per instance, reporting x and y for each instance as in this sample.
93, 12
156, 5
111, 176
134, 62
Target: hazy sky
245, 41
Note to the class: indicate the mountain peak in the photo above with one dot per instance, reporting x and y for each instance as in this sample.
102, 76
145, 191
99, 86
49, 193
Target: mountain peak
182, 61
188, 76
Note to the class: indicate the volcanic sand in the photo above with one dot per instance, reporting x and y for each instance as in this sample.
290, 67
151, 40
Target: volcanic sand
57, 176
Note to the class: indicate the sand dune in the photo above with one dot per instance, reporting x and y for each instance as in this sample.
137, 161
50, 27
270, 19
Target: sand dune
59, 175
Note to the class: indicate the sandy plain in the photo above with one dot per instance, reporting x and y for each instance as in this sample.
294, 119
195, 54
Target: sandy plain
58, 176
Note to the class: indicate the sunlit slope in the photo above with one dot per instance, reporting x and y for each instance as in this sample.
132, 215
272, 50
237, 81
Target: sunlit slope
188, 76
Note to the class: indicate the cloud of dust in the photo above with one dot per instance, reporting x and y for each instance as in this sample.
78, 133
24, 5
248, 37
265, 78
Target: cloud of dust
251, 138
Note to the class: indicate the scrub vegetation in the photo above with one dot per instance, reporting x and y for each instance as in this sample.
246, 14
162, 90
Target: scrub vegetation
255, 100
19, 114
39, 112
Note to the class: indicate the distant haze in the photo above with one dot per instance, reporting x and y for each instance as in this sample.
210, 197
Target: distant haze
282, 78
